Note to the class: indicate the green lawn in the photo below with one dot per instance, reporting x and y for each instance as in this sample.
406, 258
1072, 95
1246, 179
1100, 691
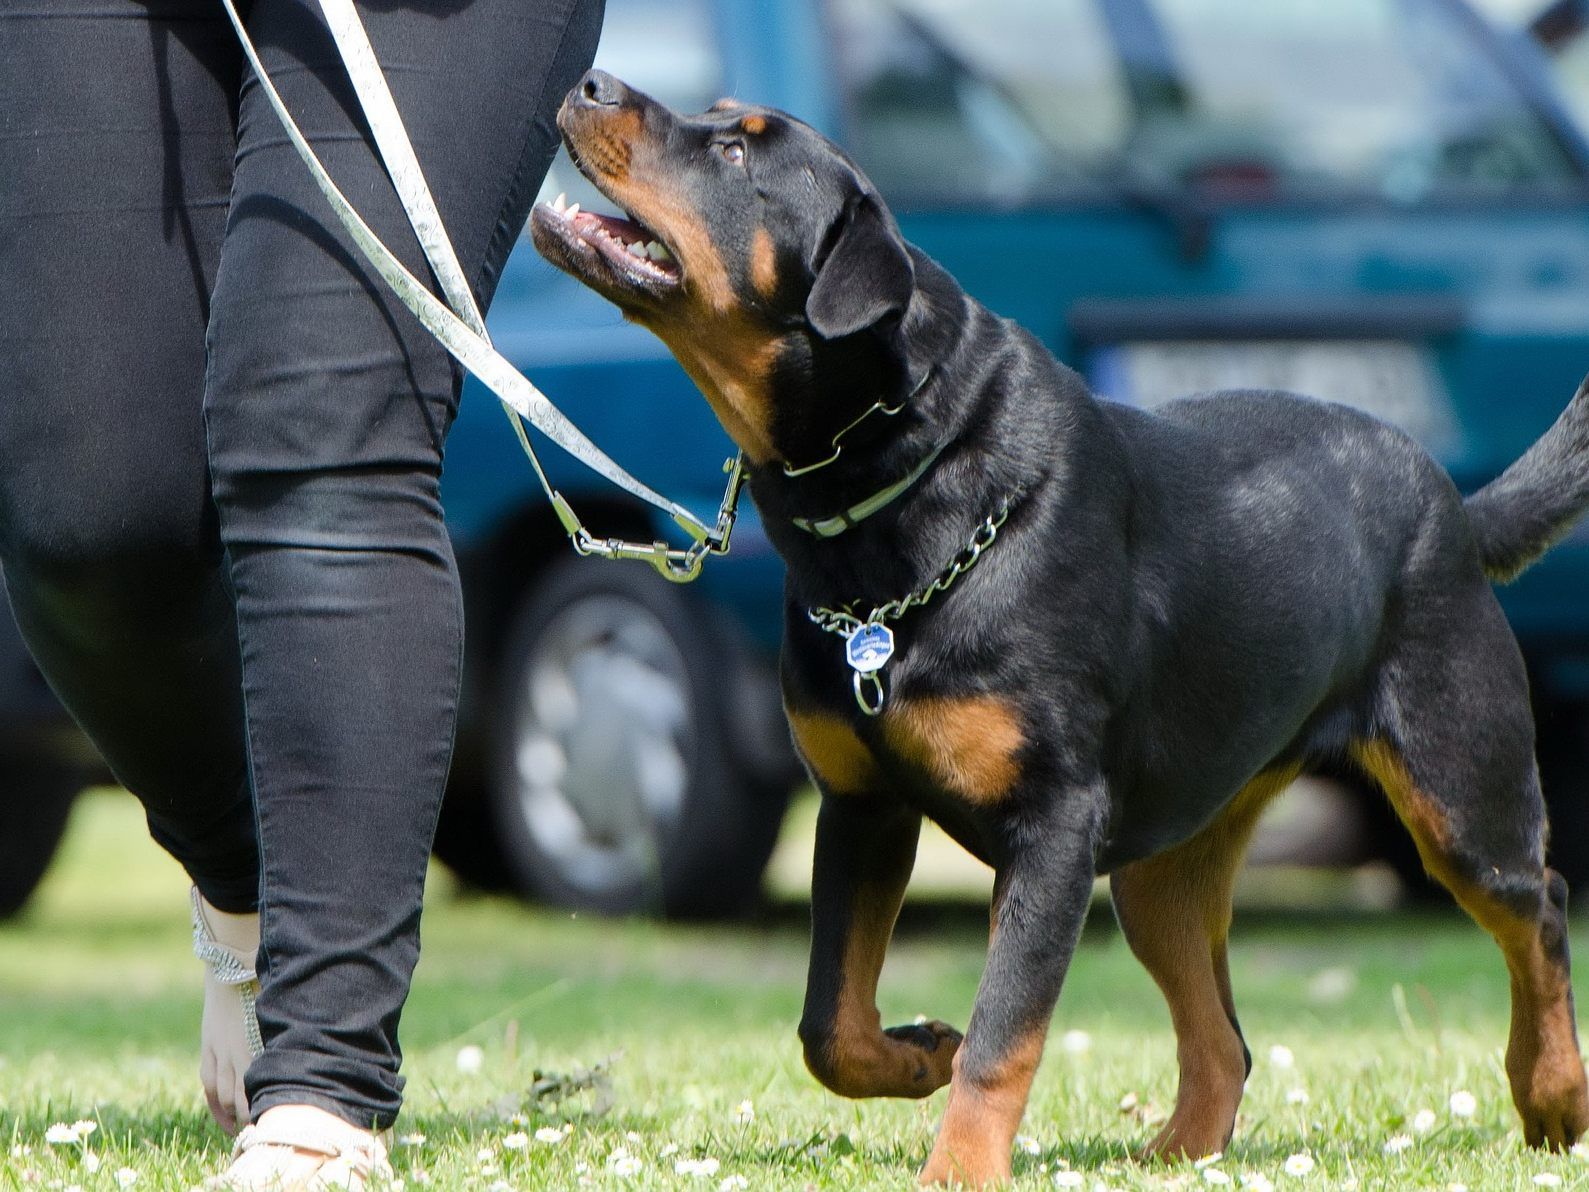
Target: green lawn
1380, 1015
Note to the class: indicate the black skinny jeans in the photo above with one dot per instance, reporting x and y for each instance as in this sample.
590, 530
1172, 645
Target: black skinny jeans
220, 456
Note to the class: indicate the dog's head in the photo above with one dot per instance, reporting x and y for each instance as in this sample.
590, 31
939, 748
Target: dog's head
752, 246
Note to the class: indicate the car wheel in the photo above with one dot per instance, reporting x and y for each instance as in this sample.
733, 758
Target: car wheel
35, 800
615, 783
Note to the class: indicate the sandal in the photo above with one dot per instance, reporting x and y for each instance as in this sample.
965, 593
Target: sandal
301, 1148
229, 1031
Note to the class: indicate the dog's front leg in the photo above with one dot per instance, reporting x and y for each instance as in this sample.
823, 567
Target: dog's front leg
1043, 886
865, 849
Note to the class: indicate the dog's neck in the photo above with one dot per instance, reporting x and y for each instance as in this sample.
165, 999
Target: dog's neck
946, 384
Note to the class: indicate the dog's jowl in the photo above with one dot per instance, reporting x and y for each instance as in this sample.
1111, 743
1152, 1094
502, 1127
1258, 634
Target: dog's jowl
1113, 636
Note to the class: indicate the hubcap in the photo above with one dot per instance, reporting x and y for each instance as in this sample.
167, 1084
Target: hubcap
602, 729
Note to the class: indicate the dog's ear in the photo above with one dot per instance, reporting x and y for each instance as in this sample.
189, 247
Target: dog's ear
863, 271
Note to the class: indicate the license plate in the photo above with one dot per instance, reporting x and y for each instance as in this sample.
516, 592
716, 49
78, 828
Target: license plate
1390, 379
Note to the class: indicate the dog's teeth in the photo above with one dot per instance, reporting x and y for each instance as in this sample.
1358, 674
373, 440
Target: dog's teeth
636, 249
573, 210
560, 203
658, 251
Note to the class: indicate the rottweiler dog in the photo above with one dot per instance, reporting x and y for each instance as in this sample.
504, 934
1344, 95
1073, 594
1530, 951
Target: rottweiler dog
1083, 638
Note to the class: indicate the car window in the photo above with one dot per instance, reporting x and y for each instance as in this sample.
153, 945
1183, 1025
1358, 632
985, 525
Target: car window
666, 48
988, 101
1397, 97
1018, 101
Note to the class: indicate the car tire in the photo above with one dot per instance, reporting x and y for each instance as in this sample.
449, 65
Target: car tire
614, 781
36, 797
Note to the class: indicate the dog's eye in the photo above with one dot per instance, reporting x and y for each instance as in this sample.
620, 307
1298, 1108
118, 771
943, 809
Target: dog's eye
733, 152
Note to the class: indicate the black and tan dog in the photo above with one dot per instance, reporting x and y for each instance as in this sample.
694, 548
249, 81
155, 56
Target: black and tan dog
1166, 618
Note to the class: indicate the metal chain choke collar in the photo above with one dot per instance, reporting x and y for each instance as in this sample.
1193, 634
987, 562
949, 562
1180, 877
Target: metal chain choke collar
869, 643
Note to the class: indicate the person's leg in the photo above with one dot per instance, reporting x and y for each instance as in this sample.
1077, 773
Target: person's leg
327, 406
116, 150
117, 147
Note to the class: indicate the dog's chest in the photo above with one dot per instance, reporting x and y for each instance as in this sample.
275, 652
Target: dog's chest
966, 747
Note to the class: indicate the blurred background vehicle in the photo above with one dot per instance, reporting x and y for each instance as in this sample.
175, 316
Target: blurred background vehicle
1380, 202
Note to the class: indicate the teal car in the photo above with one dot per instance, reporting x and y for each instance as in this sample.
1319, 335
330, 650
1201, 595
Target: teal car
1378, 202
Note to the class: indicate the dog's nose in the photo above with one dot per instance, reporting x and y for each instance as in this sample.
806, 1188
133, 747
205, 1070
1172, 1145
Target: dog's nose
600, 89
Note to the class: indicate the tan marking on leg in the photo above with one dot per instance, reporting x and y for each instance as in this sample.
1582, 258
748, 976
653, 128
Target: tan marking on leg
968, 744
1543, 1063
1175, 911
862, 1061
972, 1149
837, 758
763, 263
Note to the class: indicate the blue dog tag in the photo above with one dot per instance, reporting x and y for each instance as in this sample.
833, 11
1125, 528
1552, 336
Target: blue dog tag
869, 648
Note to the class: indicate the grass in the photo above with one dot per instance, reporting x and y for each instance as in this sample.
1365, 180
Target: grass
1382, 1015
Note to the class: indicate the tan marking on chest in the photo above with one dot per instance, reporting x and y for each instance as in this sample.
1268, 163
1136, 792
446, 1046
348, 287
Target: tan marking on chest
968, 744
836, 757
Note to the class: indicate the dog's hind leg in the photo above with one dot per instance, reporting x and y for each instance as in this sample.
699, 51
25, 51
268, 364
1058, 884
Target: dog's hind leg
1453, 751
1175, 911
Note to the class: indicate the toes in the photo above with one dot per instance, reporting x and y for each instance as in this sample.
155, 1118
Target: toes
219, 1105
240, 1114
926, 1035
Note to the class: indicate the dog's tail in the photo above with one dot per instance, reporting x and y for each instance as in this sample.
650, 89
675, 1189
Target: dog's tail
1520, 514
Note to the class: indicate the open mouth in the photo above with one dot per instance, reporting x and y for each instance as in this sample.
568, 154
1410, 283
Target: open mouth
600, 249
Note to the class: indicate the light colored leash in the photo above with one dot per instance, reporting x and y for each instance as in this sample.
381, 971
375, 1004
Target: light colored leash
461, 330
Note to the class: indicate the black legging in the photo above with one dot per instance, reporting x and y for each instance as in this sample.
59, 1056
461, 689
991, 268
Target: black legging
220, 452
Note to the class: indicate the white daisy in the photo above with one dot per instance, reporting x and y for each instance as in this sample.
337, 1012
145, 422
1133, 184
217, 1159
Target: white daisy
470, 1059
700, 1167
624, 1165
745, 1111
1069, 1179
1423, 1121
1296, 1096
1463, 1103
516, 1141
1213, 1175
125, 1177
1028, 1144
1397, 1143
1076, 1042
60, 1134
1299, 1164
733, 1183
1548, 1179
550, 1135
1280, 1056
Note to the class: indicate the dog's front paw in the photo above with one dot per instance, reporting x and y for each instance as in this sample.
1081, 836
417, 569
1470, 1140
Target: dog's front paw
937, 1042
